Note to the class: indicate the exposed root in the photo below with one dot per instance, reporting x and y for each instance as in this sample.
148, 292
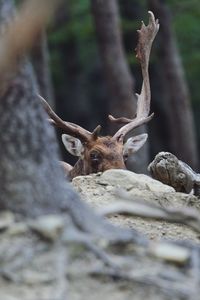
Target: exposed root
140, 208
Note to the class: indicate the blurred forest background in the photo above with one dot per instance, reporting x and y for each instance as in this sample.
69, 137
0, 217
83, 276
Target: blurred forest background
92, 71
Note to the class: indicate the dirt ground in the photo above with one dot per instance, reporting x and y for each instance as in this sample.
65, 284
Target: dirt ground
99, 192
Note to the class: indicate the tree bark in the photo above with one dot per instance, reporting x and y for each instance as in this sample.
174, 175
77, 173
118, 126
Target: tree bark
122, 101
178, 115
28, 150
31, 180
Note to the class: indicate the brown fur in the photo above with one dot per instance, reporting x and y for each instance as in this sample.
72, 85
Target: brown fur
110, 156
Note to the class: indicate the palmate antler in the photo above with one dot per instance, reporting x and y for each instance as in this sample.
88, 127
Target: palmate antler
146, 37
70, 128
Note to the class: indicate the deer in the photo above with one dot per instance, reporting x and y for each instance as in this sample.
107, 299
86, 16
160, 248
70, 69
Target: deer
100, 153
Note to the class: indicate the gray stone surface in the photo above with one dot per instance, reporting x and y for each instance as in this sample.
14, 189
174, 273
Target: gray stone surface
99, 190
31, 267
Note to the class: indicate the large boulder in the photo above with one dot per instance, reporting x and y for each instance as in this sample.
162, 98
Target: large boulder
101, 189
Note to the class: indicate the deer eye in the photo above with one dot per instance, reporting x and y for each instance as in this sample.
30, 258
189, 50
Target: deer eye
95, 156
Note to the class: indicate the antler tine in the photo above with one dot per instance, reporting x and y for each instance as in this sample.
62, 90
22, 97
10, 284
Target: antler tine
68, 127
143, 49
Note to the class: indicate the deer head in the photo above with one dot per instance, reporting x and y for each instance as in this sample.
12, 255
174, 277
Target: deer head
97, 153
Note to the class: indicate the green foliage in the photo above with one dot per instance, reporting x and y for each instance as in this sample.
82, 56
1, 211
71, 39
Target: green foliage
78, 27
186, 16
76, 30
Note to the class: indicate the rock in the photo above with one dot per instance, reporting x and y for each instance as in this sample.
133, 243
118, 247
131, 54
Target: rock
129, 180
101, 190
170, 252
31, 267
19, 228
6, 219
50, 226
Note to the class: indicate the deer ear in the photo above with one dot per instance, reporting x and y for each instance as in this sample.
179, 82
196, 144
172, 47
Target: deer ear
72, 144
133, 144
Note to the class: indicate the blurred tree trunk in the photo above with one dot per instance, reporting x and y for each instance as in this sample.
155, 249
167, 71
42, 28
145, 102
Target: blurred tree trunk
122, 101
32, 182
40, 60
28, 149
179, 125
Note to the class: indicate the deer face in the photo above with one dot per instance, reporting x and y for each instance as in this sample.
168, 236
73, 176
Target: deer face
104, 153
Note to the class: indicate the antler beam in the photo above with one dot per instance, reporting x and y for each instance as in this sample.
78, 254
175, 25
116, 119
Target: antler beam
68, 127
143, 49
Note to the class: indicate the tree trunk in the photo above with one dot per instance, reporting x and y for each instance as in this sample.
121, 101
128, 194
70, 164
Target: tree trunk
28, 152
178, 115
122, 101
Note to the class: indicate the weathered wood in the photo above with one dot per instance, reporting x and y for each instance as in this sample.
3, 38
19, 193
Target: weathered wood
168, 169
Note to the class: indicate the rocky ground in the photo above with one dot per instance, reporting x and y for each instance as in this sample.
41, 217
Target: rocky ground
34, 263
101, 190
